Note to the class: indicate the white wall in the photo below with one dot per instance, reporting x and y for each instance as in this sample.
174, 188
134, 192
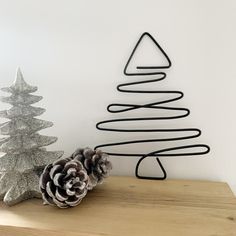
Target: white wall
75, 51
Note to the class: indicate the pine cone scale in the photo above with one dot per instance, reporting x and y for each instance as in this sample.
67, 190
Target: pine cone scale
47, 199
70, 192
55, 169
74, 202
58, 178
45, 177
60, 204
50, 189
61, 195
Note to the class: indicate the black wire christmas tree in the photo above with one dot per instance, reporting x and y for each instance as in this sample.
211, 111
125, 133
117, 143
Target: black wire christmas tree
151, 74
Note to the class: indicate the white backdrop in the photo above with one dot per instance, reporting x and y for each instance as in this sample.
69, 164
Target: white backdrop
75, 52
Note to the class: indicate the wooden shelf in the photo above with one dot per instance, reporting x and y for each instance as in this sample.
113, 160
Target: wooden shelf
129, 206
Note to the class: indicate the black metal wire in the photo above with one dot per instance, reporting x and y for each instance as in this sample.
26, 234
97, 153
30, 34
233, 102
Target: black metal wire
159, 105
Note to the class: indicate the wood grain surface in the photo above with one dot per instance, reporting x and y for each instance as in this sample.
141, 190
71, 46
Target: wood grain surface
129, 206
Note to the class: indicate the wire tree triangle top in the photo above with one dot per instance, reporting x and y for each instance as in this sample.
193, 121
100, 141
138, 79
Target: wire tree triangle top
155, 59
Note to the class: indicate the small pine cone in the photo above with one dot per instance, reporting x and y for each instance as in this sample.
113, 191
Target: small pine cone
95, 162
64, 183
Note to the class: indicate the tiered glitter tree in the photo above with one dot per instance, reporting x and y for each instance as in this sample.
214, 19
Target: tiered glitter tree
25, 157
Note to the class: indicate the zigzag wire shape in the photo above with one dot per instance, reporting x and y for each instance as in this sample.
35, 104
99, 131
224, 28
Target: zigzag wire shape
124, 107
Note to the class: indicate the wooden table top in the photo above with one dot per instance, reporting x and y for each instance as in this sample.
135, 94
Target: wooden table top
129, 206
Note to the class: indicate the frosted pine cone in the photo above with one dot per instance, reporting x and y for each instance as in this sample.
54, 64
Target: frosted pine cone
95, 162
64, 183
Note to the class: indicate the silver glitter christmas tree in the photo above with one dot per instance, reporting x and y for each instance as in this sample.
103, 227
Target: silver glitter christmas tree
25, 157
